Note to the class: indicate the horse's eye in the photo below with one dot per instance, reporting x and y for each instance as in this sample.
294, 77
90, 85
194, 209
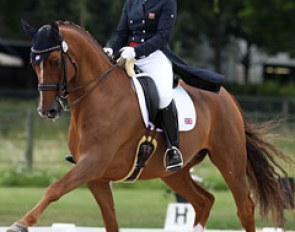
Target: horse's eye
55, 63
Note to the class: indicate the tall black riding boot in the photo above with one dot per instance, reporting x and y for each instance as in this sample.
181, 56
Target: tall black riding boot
173, 158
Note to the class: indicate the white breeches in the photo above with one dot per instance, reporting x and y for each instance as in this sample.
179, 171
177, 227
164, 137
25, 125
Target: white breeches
159, 68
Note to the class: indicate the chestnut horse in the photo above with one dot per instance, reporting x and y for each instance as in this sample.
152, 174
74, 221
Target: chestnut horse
106, 125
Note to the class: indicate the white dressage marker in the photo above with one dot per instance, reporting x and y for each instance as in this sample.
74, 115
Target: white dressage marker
180, 217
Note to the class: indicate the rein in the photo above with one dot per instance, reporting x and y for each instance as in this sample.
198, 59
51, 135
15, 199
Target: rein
99, 80
63, 97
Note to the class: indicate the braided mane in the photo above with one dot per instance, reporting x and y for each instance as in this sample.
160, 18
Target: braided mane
78, 28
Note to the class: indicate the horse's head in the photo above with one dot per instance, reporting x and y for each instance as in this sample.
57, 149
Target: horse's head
48, 58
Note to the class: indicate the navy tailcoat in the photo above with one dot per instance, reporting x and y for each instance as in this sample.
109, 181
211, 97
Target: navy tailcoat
147, 25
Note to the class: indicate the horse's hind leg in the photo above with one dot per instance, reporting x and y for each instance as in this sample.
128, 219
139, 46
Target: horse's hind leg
103, 195
201, 200
231, 161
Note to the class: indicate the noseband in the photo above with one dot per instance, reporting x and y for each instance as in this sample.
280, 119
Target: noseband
62, 85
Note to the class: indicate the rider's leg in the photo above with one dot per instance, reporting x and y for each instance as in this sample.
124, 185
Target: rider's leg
173, 158
159, 68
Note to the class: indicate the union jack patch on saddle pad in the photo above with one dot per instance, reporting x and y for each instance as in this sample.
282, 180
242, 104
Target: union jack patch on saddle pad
188, 121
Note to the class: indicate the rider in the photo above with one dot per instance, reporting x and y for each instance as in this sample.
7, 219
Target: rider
143, 32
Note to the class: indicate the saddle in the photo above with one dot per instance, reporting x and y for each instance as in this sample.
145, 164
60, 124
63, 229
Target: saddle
148, 98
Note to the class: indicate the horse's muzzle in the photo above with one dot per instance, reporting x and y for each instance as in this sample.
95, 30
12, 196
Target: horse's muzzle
51, 112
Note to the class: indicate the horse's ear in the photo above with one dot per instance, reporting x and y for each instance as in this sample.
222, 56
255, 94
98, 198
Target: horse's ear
54, 26
31, 31
55, 29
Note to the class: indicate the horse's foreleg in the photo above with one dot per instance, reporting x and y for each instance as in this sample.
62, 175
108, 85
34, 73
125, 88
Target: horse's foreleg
201, 200
103, 195
78, 175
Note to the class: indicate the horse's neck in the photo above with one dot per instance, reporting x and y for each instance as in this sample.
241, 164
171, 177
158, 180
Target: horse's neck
106, 98
90, 62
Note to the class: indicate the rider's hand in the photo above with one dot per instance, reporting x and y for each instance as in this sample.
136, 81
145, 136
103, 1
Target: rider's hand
108, 51
127, 53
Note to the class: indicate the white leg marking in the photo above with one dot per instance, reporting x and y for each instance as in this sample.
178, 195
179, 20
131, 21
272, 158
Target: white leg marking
199, 228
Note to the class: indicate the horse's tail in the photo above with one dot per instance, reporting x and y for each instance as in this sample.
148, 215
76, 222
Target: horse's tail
263, 174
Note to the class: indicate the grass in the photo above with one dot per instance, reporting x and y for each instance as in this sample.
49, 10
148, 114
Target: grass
80, 208
140, 208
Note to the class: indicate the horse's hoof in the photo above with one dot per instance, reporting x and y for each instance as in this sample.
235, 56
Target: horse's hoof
17, 227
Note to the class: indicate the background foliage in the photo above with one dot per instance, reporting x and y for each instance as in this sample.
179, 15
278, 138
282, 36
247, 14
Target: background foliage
267, 25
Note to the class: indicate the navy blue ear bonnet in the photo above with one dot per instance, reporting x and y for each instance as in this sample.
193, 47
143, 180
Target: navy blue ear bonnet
45, 40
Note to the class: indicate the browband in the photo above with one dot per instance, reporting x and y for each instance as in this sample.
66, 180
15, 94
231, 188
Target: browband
45, 50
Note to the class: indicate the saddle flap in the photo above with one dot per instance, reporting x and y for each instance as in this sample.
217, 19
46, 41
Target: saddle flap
151, 96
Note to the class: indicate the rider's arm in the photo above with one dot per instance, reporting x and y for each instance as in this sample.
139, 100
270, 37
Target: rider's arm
122, 32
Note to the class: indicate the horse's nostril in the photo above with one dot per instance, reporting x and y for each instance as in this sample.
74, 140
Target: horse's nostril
52, 113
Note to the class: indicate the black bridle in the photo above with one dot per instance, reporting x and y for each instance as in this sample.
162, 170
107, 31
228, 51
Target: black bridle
62, 85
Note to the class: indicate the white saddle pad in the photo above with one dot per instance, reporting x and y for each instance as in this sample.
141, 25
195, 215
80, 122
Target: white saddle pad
185, 108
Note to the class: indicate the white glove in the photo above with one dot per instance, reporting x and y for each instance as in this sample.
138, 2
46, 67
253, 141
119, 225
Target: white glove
127, 53
108, 51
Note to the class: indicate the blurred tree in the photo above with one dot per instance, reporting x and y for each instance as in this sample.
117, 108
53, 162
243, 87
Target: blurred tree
189, 31
263, 24
206, 22
37, 12
96, 17
270, 24
81, 7
10, 13
103, 18
266, 24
